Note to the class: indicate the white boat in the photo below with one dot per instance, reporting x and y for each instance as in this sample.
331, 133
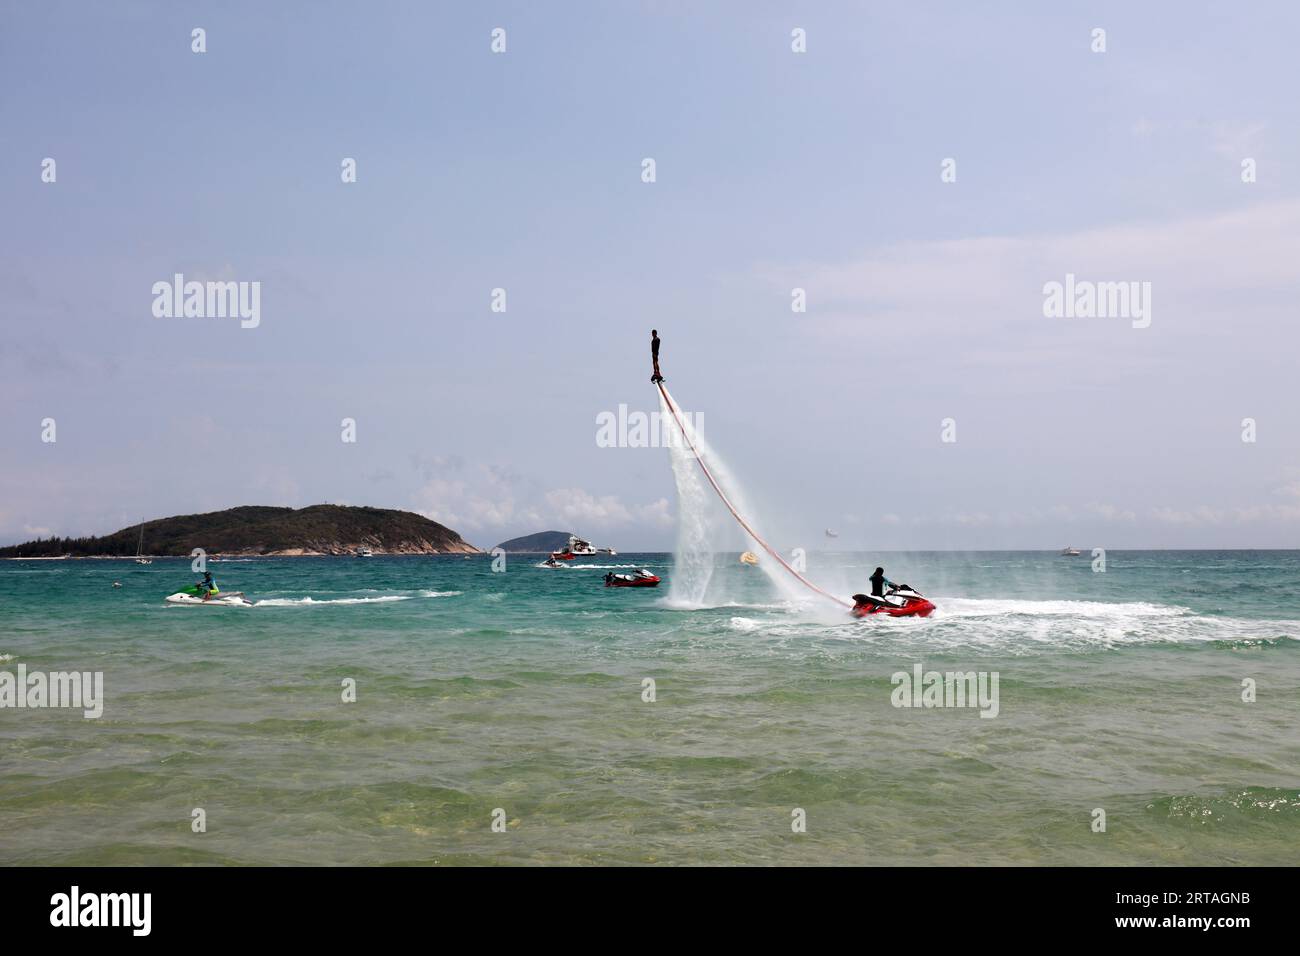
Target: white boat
1070, 552
578, 548
139, 549
365, 553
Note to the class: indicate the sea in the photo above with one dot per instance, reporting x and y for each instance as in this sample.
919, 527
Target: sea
452, 710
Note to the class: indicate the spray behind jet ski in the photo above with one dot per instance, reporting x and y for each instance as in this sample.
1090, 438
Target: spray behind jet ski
902, 601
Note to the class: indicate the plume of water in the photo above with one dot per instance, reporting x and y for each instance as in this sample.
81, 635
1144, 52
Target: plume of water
693, 561
699, 535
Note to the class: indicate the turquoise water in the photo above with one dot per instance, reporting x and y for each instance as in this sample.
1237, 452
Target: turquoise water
523, 691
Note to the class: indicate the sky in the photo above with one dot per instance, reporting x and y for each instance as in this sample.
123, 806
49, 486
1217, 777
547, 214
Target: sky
774, 170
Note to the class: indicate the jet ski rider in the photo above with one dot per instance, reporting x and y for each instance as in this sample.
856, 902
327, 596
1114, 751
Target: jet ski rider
878, 582
207, 585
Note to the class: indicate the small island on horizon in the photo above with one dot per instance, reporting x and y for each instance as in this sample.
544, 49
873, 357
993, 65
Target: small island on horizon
266, 531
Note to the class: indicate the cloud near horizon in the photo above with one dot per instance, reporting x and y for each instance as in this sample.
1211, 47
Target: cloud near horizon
482, 499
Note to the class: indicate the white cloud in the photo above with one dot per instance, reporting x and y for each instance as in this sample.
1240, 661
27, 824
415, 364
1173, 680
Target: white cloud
1112, 513
1236, 141
970, 286
483, 500
484, 497
1204, 515
576, 506
657, 513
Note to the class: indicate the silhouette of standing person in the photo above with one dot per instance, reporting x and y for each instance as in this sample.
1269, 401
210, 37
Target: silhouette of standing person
654, 355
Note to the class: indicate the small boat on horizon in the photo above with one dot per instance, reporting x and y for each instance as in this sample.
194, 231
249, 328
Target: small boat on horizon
139, 549
1070, 552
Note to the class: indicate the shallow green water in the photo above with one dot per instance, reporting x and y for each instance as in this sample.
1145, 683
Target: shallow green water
523, 691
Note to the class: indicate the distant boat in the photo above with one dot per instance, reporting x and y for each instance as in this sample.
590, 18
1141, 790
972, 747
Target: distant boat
578, 548
139, 549
832, 534
1070, 553
365, 553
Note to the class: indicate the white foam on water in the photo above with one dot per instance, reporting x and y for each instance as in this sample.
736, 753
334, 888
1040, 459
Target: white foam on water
439, 594
996, 607
312, 602
787, 607
1017, 625
6, 658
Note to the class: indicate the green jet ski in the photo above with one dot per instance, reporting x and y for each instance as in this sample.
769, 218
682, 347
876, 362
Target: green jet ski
196, 594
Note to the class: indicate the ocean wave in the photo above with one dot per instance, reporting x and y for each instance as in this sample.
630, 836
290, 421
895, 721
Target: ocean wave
1250, 803
1257, 643
995, 607
1016, 625
1007, 626
672, 604
306, 601
438, 594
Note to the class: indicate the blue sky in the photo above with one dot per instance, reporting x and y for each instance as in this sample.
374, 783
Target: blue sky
775, 170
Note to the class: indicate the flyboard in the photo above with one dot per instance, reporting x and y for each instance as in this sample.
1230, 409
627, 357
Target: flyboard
911, 603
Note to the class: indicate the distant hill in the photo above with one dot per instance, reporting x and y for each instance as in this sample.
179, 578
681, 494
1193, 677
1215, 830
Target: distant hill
252, 529
543, 541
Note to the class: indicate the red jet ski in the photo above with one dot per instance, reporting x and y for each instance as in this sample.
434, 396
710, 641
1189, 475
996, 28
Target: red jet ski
899, 601
639, 579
